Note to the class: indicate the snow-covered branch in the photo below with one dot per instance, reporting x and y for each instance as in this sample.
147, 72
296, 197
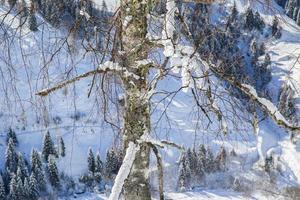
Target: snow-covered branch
105, 67
124, 170
189, 60
146, 138
264, 103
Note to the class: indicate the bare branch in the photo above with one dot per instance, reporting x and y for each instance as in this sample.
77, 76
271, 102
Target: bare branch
45, 92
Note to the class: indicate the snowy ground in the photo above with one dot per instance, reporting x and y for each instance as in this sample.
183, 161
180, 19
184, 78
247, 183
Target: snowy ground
90, 131
201, 195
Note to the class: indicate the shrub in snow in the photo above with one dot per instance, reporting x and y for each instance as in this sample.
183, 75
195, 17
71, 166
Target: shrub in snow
67, 184
78, 115
57, 120
80, 188
233, 153
87, 179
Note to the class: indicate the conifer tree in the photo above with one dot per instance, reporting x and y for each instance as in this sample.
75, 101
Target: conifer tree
202, 156
26, 188
98, 168
192, 160
292, 4
269, 164
12, 135
53, 172
234, 13
22, 166
13, 188
104, 6
11, 157
98, 164
210, 161
249, 23
298, 18
111, 165
2, 189
48, 146
37, 169
231, 21
62, 147
19, 188
267, 61
184, 173
254, 53
221, 159
33, 188
32, 22
32, 19
295, 13
91, 161
258, 22
275, 26
24, 10
23, 13
262, 49
12, 3
233, 153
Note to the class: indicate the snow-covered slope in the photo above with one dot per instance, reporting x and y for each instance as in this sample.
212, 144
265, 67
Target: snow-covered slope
21, 77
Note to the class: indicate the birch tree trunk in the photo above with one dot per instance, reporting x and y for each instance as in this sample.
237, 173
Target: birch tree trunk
136, 47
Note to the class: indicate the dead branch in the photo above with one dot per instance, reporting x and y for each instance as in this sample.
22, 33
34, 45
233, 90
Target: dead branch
160, 172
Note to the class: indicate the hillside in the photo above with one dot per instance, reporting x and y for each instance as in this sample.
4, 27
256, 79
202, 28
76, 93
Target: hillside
87, 114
